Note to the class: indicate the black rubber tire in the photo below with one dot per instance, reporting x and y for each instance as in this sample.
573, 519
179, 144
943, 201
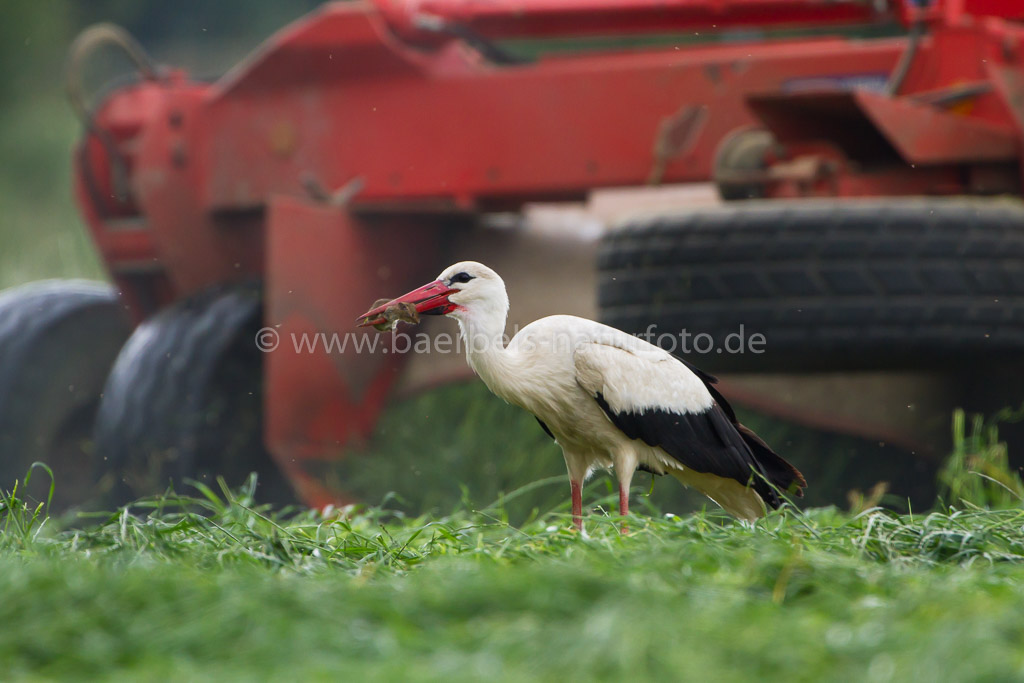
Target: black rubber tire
58, 340
184, 401
832, 285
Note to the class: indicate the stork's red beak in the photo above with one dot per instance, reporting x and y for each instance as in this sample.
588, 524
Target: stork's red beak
430, 299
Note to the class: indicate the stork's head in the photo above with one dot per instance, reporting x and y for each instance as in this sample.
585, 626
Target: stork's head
464, 290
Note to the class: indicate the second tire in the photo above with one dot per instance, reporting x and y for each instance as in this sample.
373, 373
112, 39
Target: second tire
831, 285
184, 400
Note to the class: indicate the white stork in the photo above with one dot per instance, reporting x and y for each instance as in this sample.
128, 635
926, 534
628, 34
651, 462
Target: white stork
609, 399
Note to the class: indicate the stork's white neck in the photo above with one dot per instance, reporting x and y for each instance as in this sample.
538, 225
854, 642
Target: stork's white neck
483, 335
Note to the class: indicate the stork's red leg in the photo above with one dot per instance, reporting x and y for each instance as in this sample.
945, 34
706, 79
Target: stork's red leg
624, 504
577, 504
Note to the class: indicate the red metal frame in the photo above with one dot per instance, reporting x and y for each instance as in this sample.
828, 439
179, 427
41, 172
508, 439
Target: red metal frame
227, 180
540, 18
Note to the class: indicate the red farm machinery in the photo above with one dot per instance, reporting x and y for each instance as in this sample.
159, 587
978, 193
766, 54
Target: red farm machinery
867, 155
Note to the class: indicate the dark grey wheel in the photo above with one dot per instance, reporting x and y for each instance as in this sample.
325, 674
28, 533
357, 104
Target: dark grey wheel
184, 401
58, 340
832, 285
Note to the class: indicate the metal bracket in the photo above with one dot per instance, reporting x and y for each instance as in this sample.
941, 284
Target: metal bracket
676, 135
340, 197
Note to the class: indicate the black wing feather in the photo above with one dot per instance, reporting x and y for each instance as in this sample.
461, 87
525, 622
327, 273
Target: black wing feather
777, 469
709, 382
711, 443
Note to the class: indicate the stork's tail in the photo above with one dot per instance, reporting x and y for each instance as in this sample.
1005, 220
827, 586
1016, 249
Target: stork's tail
779, 473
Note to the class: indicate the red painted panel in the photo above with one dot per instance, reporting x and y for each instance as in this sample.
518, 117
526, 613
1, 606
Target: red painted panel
463, 132
924, 134
512, 18
325, 268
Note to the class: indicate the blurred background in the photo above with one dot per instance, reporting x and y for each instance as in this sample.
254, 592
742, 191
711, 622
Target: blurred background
41, 232
436, 447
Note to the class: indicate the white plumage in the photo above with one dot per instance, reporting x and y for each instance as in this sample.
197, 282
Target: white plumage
609, 399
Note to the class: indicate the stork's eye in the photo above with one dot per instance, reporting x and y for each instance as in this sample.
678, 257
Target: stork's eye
460, 278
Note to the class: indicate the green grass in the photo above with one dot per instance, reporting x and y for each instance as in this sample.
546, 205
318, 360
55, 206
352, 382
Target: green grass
212, 588
41, 233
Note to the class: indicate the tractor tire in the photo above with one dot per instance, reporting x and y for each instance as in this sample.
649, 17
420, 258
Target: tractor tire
58, 340
831, 285
184, 401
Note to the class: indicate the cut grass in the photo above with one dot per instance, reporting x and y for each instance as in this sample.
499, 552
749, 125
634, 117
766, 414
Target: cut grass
214, 587
160, 590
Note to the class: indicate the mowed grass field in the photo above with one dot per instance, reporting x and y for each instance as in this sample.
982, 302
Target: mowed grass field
213, 588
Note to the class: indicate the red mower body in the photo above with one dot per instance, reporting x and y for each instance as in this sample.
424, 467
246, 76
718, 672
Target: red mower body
337, 161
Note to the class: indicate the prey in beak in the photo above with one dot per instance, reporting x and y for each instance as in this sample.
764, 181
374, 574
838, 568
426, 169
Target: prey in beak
430, 299
391, 315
